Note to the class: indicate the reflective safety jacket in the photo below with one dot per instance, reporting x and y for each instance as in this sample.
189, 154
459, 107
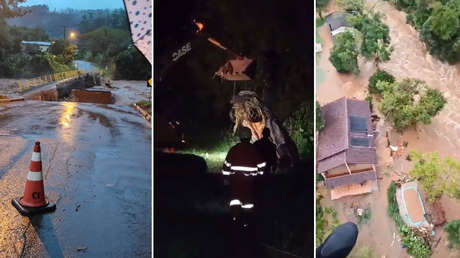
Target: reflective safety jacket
243, 158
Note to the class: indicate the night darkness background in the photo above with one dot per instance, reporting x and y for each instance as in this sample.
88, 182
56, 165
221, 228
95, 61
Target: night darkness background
189, 218
279, 33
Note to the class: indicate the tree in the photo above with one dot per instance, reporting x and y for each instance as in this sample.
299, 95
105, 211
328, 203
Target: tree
453, 233
410, 101
436, 175
444, 20
427, 168
376, 36
320, 123
352, 5
438, 23
379, 76
64, 51
344, 55
9, 8
320, 5
131, 65
106, 42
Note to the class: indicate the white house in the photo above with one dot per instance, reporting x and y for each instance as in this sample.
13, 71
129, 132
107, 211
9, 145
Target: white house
40, 45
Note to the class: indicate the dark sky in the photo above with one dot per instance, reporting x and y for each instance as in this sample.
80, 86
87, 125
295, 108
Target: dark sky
77, 4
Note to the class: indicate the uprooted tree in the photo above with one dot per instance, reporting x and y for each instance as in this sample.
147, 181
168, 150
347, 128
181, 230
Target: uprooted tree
249, 111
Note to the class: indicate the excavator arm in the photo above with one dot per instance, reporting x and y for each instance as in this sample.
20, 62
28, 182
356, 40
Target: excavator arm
173, 55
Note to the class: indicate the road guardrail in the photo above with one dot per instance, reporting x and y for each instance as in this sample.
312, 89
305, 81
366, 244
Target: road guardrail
46, 79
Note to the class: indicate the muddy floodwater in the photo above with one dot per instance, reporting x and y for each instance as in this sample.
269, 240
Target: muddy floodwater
410, 59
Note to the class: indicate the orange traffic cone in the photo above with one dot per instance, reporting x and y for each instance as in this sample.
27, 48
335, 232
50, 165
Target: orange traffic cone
34, 200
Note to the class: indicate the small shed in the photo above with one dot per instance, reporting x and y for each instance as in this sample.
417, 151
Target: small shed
41, 46
236, 69
337, 23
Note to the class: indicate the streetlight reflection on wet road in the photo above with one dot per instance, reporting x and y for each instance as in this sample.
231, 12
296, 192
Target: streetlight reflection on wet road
65, 121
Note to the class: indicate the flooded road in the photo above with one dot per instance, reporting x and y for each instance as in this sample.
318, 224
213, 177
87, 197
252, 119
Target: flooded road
96, 167
127, 92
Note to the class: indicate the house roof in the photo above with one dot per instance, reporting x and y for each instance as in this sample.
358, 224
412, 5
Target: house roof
41, 43
337, 20
346, 134
332, 161
354, 178
333, 138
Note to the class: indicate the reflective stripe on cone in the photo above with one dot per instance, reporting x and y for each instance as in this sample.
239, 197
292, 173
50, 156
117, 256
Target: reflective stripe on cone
36, 156
34, 176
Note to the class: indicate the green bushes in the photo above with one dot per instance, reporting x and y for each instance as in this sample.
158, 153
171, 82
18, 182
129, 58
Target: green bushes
407, 102
375, 43
300, 127
320, 123
112, 50
344, 55
378, 76
16, 63
320, 5
132, 65
453, 233
326, 222
371, 34
352, 5
416, 246
436, 176
55, 62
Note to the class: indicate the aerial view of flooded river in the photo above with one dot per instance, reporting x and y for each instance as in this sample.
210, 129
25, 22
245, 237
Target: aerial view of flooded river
409, 59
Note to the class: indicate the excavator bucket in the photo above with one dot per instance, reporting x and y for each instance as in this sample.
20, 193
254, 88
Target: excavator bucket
236, 69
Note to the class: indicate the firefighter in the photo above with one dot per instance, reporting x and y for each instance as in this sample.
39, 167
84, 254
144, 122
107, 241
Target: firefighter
242, 164
267, 149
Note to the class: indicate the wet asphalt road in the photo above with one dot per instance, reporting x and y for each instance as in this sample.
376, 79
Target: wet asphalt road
97, 169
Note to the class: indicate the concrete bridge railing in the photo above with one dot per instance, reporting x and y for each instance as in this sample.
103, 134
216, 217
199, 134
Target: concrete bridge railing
46, 79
